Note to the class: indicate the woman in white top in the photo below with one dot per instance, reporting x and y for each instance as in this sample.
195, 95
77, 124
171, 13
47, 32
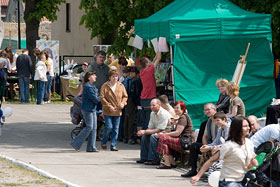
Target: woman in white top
50, 77
41, 77
237, 153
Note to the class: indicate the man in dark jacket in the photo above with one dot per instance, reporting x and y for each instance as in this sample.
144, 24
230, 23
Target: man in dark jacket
100, 68
24, 72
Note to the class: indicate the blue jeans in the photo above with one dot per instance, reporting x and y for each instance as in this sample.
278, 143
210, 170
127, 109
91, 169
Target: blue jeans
229, 184
40, 91
146, 112
48, 87
88, 132
24, 89
149, 145
111, 124
121, 126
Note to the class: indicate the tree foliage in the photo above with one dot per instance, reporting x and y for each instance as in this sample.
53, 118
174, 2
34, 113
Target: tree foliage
268, 7
115, 18
34, 11
45, 8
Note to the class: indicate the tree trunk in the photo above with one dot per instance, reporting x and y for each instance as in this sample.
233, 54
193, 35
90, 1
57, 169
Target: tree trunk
32, 28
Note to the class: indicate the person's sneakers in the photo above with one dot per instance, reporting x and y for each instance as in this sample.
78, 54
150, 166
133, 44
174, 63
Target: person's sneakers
189, 174
151, 162
114, 149
141, 161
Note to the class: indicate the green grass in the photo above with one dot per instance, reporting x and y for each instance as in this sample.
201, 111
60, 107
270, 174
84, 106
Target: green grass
56, 99
11, 184
36, 178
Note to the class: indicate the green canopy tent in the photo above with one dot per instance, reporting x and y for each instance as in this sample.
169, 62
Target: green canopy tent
207, 37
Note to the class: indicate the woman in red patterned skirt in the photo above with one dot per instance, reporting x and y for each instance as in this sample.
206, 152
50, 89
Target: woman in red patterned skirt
170, 140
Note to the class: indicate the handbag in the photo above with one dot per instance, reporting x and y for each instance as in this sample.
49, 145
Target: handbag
186, 141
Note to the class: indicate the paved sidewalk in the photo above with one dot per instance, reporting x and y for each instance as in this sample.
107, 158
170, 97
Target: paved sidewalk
40, 135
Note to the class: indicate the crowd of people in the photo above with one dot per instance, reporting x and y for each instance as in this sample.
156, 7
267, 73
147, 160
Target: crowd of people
133, 111
22, 67
131, 108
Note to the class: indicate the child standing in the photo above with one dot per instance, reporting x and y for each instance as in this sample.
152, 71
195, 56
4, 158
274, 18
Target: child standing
41, 77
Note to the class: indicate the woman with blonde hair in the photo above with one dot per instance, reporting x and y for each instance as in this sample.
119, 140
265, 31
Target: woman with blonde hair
222, 104
113, 98
236, 107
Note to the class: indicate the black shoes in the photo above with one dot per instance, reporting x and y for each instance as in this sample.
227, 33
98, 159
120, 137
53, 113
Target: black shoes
189, 174
163, 166
141, 161
151, 163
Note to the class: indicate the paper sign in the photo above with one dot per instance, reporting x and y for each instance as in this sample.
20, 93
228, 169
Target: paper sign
138, 42
130, 41
162, 45
155, 44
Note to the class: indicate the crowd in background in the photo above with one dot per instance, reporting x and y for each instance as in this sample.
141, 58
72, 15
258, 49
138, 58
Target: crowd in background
227, 139
21, 66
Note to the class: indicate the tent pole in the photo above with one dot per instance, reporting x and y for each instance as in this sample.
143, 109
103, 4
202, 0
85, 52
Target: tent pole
135, 58
172, 73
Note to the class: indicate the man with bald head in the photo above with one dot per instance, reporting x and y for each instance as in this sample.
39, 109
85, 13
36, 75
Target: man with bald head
255, 125
159, 119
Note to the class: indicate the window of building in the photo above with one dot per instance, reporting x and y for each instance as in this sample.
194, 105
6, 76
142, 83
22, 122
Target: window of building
68, 17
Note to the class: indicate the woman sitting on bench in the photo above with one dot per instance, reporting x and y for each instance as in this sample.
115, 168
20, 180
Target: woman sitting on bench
170, 140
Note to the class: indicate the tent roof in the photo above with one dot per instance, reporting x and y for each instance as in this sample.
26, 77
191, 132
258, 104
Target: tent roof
188, 20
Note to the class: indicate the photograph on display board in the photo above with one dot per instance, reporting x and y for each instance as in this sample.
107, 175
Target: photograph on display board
97, 48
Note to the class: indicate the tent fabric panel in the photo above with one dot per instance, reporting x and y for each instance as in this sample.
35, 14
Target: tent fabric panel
199, 20
224, 28
197, 66
251, 27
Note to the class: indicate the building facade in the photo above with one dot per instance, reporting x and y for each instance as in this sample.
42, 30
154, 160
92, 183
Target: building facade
74, 39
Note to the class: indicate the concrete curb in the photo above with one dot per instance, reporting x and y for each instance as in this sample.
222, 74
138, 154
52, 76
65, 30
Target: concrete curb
39, 171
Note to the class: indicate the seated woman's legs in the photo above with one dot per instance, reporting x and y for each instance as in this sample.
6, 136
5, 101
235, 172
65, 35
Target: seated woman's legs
165, 144
205, 167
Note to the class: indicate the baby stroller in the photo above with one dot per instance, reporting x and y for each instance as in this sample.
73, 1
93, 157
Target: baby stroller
77, 119
267, 153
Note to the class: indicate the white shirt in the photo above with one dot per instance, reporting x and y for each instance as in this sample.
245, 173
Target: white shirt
113, 87
264, 134
41, 71
51, 72
236, 160
159, 120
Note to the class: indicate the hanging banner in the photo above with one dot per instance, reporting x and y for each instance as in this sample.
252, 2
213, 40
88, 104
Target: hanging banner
52, 46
